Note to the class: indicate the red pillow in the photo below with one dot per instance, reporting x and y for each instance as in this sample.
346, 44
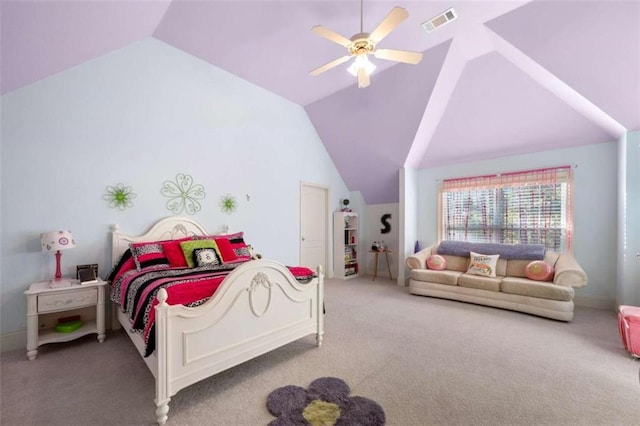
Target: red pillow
226, 250
174, 253
539, 270
239, 246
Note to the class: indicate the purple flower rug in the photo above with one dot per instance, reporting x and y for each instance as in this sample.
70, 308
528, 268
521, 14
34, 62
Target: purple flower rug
325, 403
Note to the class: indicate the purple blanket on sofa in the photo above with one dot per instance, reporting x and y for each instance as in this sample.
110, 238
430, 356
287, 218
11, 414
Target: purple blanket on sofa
506, 251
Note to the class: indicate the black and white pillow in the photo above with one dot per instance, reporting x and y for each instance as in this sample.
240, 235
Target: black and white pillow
206, 257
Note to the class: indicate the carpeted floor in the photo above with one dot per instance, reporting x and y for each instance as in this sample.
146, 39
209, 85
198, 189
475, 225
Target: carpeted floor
425, 361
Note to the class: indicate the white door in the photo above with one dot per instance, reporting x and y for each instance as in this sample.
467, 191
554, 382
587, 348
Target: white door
313, 226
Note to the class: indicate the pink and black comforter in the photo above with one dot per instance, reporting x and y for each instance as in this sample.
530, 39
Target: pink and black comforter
135, 291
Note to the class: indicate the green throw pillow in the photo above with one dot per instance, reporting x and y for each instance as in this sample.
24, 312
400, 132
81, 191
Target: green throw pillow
189, 246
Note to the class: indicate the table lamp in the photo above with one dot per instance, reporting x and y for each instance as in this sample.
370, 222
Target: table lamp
56, 241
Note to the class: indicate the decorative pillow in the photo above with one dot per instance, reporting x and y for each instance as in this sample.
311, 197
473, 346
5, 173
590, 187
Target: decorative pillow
148, 255
174, 253
189, 246
226, 250
483, 264
436, 262
539, 270
206, 256
124, 264
239, 247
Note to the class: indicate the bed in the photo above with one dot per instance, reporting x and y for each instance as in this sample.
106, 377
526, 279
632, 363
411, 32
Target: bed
258, 306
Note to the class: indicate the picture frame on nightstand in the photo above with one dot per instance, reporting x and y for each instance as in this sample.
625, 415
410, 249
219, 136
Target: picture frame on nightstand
87, 273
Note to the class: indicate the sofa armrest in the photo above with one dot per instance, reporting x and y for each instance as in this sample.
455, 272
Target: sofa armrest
568, 272
419, 260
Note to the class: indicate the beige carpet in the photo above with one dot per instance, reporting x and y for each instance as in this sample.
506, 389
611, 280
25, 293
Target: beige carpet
425, 361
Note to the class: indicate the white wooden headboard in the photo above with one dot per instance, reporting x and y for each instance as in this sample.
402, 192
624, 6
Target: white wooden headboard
169, 228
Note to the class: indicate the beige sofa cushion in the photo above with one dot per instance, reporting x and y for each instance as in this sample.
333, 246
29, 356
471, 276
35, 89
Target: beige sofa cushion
515, 268
440, 277
457, 263
479, 282
542, 290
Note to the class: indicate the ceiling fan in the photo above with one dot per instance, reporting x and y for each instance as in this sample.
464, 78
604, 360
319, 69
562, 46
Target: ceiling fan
363, 44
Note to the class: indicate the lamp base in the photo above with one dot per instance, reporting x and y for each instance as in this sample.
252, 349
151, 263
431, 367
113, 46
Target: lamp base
61, 282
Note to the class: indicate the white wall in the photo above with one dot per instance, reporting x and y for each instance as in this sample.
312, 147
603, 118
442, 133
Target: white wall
594, 206
139, 116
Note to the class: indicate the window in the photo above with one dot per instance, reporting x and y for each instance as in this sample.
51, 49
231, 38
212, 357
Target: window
528, 207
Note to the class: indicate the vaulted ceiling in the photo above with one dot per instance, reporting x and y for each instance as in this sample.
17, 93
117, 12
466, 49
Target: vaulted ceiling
505, 78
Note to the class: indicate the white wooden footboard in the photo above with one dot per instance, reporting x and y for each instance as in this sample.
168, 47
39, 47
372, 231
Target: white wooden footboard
259, 307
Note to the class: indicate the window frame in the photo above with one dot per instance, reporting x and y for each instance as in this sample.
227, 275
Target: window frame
552, 175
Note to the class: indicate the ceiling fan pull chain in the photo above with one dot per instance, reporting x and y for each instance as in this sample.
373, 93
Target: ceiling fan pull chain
361, 15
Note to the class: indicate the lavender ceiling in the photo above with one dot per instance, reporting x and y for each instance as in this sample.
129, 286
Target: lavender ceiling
507, 77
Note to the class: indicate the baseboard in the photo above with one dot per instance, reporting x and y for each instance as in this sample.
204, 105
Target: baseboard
13, 341
595, 302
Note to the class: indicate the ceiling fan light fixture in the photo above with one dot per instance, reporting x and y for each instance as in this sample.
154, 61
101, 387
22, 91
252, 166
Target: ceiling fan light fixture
361, 61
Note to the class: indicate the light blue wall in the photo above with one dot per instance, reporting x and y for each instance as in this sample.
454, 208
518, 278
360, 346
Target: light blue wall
141, 115
594, 206
408, 219
628, 282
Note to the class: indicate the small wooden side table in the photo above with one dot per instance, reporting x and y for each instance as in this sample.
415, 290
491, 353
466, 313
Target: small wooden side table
45, 305
375, 261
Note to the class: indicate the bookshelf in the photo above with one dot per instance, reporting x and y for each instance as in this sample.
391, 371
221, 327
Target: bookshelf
345, 241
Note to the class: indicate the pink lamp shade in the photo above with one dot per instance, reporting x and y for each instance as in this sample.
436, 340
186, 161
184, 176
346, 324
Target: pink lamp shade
56, 241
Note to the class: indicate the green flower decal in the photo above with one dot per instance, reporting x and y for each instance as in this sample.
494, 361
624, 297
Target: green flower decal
119, 196
228, 204
183, 194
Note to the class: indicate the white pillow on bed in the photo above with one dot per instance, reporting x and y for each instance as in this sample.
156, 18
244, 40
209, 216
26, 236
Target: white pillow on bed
206, 256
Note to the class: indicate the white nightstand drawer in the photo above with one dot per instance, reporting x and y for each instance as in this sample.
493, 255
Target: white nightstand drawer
67, 300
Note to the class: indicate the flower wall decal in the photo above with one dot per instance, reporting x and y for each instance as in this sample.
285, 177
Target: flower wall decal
228, 203
119, 196
183, 194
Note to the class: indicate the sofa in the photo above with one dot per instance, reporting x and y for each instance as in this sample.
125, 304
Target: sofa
449, 271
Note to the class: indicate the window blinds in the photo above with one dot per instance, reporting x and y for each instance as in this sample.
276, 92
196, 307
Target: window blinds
528, 207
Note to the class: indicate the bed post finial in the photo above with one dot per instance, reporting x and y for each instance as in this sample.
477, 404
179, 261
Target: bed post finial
115, 228
162, 297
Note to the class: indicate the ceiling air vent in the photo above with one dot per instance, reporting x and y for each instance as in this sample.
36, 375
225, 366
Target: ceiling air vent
440, 20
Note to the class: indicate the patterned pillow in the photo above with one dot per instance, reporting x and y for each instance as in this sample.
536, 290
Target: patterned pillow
239, 247
206, 256
436, 262
124, 264
483, 264
189, 246
233, 248
539, 270
148, 255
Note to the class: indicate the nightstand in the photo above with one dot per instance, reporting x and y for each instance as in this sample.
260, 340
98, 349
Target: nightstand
45, 305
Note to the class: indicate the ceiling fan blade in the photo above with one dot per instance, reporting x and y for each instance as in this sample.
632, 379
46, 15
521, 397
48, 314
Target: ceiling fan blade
398, 55
331, 35
330, 65
363, 78
389, 23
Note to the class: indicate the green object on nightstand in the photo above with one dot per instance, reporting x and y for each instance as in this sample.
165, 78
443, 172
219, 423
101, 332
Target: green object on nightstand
68, 327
